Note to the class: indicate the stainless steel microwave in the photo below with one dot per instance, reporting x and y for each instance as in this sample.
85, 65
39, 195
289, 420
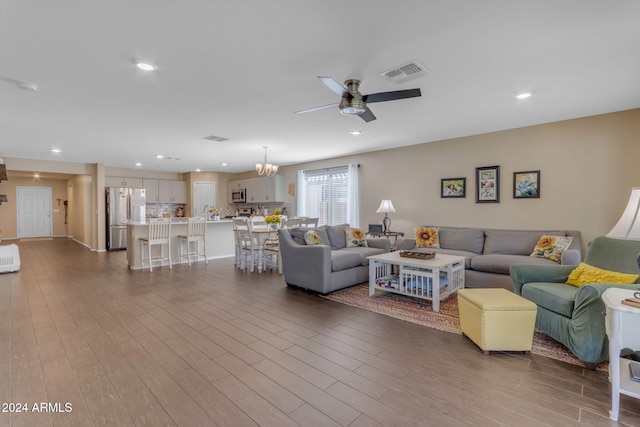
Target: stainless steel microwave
239, 195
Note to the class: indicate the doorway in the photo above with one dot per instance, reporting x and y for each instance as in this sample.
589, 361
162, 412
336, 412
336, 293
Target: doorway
204, 197
34, 211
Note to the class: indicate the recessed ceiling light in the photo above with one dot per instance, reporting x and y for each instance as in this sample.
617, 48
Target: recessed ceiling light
138, 164
159, 156
224, 164
145, 66
524, 95
56, 150
197, 170
355, 132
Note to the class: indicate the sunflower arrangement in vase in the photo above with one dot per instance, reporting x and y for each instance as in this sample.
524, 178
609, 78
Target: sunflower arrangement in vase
273, 220
214, 214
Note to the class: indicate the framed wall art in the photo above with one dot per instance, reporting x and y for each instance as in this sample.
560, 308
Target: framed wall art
453, 187
526, 185
488, 184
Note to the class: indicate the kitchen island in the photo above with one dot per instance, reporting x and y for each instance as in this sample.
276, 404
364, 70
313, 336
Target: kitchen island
219, 237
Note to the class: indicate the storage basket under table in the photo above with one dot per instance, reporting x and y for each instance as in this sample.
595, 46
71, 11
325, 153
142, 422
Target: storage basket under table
431, 279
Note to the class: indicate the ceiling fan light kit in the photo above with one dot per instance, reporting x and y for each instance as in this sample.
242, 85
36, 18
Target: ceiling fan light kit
353, 103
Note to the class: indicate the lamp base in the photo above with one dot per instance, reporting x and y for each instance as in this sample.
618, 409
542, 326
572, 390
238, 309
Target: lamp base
386, 222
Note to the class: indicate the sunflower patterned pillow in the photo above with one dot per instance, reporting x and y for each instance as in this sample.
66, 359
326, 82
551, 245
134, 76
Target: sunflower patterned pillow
312, 237
551, 247
355, 237
427, 237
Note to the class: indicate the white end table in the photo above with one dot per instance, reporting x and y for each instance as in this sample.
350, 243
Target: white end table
622, 323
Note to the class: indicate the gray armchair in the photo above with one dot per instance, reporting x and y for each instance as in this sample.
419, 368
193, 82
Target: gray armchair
574, 316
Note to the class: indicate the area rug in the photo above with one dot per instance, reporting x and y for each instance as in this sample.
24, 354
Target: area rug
419, 311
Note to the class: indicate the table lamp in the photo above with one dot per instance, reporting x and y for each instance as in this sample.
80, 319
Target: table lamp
386, 207
628, 226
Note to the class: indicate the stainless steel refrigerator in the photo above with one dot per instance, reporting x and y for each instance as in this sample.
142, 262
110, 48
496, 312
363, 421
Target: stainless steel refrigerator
124, 206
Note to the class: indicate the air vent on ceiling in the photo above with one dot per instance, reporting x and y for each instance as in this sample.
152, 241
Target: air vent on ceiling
406, 72
215, 138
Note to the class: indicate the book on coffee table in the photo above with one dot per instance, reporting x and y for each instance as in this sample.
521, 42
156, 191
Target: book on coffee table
632, 302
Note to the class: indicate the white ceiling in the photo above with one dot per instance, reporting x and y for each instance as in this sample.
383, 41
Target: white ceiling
240, 69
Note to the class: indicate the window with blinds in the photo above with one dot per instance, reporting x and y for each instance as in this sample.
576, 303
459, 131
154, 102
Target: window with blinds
327, 195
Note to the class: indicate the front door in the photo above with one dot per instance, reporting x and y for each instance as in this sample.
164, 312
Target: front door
34, 211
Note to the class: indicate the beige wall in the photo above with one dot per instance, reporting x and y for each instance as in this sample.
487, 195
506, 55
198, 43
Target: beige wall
588, 167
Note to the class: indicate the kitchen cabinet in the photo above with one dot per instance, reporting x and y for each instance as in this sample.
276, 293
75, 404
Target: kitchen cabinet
259, 190
151, 190
172, 191
112, 181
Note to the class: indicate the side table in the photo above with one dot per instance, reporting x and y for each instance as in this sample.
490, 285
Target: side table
388, 235
621, 323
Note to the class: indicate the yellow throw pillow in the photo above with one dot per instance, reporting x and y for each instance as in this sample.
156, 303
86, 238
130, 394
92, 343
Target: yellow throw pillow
427, 237
551, 247
584, 274
355, 237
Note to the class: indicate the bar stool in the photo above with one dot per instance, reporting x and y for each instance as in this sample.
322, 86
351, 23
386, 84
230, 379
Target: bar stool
159, 234
195, 233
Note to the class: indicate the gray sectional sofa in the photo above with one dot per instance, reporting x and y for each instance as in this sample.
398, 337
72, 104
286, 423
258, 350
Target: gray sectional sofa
490, 252
327, 267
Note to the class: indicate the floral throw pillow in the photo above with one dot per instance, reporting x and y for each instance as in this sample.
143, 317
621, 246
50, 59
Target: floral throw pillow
551, 247
312, 237
355, 237
427, 237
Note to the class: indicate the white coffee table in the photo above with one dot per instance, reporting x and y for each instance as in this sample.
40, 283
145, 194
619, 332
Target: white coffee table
431, 279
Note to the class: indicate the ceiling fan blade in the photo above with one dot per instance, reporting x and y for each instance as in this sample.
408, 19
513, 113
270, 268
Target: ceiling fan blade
367, 116
334, 85
323, 107
391, 96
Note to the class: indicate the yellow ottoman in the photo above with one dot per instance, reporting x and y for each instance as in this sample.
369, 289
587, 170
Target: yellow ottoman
496, 319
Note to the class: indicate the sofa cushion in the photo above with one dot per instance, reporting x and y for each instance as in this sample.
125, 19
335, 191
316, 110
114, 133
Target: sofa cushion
355, 237
551, 247
297, 234
363, 253
462, 239
510, 242
497, 263
466, 254
557, 297
336, 236
342, 259
585, 273
427, 237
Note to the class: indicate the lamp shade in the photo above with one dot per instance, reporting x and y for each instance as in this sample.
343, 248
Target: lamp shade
386, 206
628, 226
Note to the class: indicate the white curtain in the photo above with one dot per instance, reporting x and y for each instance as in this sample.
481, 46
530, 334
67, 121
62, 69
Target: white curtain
353, 203
301, 194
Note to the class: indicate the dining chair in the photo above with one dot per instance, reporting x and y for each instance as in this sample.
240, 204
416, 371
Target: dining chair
159, 235
196, 227
309, 222
246, 246
291, 223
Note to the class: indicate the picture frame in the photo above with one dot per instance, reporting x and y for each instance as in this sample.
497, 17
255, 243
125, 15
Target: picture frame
488, 184
526, 185
454, 188
375, 229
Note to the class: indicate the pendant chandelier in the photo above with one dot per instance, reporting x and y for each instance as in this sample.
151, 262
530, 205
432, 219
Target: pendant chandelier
266, 168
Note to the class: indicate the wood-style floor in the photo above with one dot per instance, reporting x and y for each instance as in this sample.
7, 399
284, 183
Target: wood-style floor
210, 345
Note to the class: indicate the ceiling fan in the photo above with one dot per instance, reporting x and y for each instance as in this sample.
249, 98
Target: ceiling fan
353, 103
